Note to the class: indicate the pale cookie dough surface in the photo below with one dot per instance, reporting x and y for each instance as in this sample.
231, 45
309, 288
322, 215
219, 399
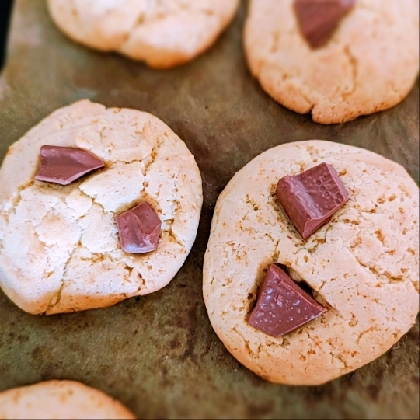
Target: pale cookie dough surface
60, 399
163, 33
370, 63
59, 246
363, 265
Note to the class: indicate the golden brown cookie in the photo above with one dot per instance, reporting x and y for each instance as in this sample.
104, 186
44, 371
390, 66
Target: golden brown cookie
60, 245
162, 33
368, 64
60, 399
362, 266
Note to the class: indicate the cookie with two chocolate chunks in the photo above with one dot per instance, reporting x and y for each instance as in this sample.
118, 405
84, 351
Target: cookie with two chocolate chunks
139, 229
63, 165
318, 19
246, 232
282, 305
312, 197
50, 234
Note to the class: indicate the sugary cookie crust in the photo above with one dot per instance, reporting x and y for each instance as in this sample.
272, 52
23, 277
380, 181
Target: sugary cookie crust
163, 33
370, 64
60, 399
59, 245
363, 265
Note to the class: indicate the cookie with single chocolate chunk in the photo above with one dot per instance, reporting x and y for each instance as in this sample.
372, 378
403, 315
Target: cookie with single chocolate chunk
61, 247
161, 33
358, 272
337, 59
60, 399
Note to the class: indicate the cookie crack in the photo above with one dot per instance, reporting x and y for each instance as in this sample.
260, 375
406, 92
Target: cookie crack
276, 252
383, 275
275, 42
251, 353
14, 200
56, 298
354, 71
140, 21
170, 220
57, 293
129, 269
153, 155
360, 336
94, 201
171, 234
321, 236
340, 358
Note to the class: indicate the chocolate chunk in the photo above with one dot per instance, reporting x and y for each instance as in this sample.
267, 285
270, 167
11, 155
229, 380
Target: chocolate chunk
282, 306
312, 197
139, 229
63, 165
318, 19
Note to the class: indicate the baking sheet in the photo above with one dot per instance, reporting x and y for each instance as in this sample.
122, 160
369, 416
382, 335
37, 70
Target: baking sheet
158, 353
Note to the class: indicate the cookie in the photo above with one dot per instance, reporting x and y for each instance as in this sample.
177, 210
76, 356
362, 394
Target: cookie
162, 33
362, 60
361, 265
60, 246
60, 399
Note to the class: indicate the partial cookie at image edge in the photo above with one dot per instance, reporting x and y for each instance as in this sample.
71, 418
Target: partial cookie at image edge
60, 399
367, 66
162, 36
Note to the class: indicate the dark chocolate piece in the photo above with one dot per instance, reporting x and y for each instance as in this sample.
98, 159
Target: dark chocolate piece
318, 19
139, 229
282, 306
63, 165
312, 197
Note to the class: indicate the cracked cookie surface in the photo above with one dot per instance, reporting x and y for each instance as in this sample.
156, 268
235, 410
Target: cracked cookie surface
59, 245
162, 33
370, 63
60, 399
363, 265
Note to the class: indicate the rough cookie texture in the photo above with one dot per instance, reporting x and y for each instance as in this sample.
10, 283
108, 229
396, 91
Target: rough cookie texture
370, 63
59, 245
363, 266
60, 399
163, 33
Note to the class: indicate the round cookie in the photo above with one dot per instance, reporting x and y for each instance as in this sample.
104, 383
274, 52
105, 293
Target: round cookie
60, 399
369, 64
59, 245
363, 266
162, 33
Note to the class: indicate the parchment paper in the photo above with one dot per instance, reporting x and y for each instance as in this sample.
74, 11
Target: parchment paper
158, 353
